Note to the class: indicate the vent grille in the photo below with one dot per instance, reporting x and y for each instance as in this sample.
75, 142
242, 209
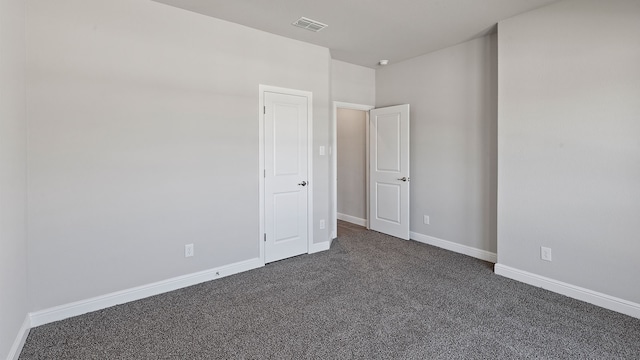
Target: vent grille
309, 24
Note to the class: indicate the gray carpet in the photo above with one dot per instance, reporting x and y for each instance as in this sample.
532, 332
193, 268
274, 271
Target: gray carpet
370, 297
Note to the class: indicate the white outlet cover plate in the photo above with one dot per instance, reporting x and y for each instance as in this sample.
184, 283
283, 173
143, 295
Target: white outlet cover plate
188, 250
545, 253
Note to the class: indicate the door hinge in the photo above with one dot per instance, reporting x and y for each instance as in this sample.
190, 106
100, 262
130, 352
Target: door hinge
265, 173
265, 237
264, 109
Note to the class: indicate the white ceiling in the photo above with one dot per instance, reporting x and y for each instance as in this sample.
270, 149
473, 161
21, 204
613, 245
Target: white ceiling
365, 31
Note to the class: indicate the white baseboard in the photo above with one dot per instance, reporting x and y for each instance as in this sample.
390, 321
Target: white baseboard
318, 247
16, 348
455, 247
352, 219
119, 297
572, 291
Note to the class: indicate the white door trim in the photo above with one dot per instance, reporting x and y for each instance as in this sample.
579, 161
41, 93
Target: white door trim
334, 158
309, 95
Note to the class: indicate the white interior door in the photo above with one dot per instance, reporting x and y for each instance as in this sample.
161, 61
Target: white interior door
285, 178
389, 171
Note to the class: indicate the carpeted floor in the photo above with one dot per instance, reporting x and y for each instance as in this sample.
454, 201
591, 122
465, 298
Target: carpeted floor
370, 297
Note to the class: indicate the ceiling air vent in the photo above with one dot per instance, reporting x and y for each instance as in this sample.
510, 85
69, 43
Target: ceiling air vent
309, 24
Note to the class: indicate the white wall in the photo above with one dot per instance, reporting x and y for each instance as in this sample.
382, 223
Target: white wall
453, 98
569, 149
351, 156
352, 83
13, 240
143, 137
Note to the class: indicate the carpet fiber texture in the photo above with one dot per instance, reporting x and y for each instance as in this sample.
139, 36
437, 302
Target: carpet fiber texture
371, 296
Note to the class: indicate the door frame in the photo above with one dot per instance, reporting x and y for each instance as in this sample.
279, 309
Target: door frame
333, 151
261, 169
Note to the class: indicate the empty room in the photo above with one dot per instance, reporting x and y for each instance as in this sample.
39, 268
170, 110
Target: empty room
195, 179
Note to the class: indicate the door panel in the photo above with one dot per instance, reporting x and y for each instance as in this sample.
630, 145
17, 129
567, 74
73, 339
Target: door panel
285, 220
389, 171
388, 143
285, 143
388, 208
286, 197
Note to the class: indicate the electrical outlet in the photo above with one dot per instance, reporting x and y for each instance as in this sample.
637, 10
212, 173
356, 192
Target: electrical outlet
426, 220
188, 250
545, 253
321, 224
321, 150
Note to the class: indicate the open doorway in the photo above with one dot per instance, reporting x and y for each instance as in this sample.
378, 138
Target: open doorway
351, 157
350, 164
387, 175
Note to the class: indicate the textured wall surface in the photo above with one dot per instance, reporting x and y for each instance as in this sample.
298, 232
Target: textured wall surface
352, 83
13, 174
143, 137
569, 155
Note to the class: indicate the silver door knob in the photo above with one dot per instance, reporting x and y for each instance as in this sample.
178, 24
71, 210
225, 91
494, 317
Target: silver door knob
303, 183
404, 178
